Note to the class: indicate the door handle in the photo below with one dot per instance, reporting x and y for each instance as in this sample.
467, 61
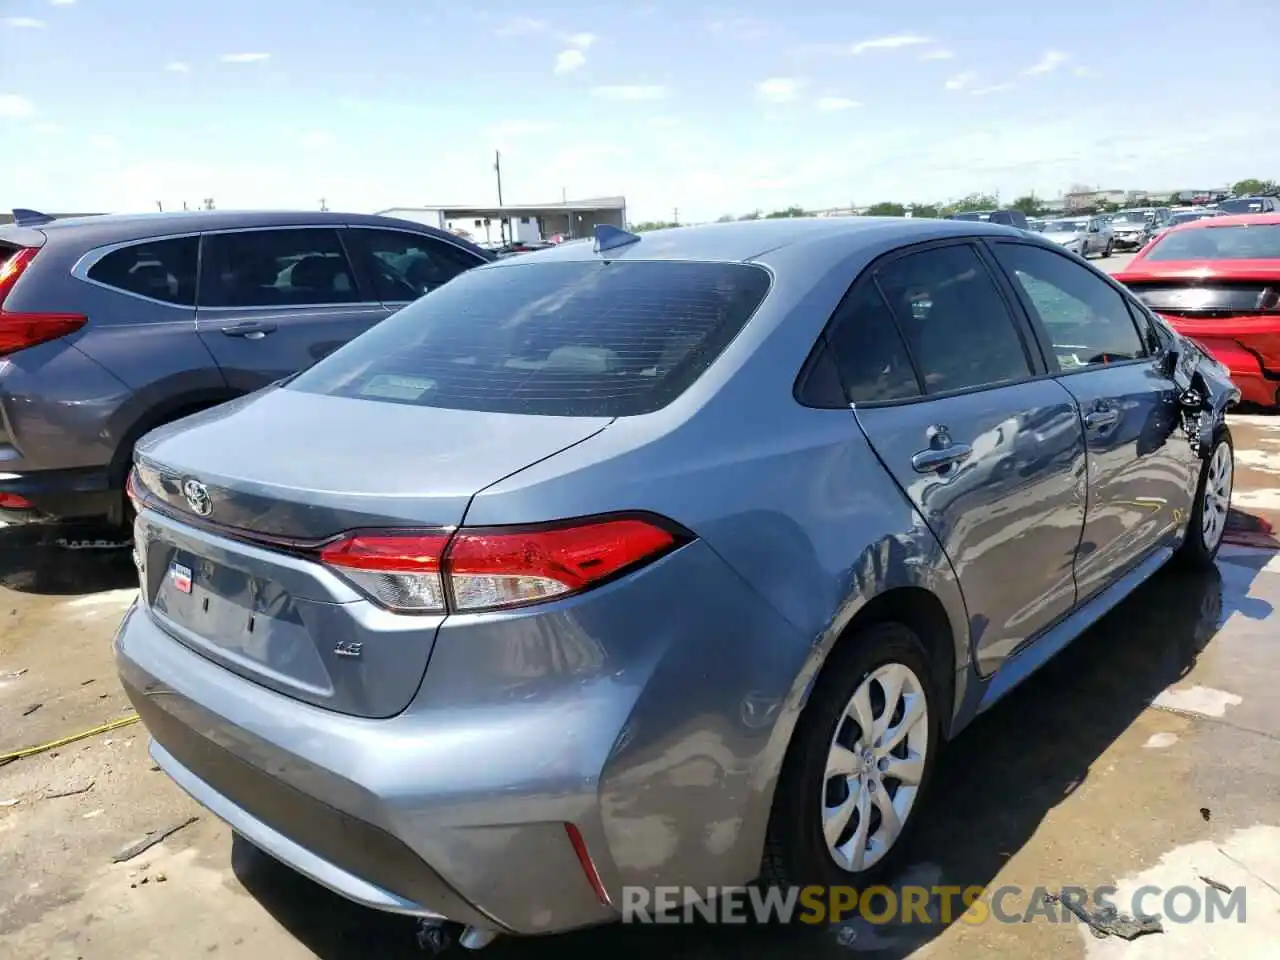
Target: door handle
1100, 419
251, 330
936, 459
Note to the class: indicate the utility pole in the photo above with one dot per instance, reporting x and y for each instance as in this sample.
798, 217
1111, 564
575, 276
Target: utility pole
324, 207
497, 169
564, 195
675, 216
208, 203
160, 206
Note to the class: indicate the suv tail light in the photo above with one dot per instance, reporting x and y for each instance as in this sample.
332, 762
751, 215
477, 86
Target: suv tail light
498, 568
18, 331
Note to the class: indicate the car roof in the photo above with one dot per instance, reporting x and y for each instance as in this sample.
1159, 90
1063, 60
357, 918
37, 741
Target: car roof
113, 227
748, 240
1232, 220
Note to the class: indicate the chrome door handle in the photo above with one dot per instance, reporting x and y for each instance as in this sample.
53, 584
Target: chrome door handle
939, 458
1100, 419
251, 330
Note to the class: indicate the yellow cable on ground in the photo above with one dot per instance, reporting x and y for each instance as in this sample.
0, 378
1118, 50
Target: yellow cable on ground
54, 744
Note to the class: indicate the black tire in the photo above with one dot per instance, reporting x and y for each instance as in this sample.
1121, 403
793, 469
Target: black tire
1195, 553
1107, 252
796, 852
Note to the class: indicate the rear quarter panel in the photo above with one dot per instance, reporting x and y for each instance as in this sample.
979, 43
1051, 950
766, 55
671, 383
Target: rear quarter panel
793, 501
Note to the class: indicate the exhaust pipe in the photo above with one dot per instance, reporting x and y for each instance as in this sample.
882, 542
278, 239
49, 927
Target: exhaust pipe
436, 936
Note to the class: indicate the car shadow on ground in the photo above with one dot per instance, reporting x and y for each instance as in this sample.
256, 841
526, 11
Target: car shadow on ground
993, 788
65, 560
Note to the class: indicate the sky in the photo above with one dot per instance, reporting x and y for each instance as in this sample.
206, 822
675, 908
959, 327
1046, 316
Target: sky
700, 108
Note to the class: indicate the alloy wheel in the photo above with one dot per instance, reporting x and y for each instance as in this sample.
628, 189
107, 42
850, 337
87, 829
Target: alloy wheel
1217, 495
874, 767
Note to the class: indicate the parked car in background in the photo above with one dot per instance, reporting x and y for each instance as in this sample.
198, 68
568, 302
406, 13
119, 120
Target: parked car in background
698, 506
1179, 217
113, 325
1217, 281
1133, 229
1036, 224
1240, 205
1012, 218
1085, 236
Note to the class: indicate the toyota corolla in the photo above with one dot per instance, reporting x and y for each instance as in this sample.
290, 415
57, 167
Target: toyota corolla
671, 560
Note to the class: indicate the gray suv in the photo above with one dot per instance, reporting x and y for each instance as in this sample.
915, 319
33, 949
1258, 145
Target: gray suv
113, 325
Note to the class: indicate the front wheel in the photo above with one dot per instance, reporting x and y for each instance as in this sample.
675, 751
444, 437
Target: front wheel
1107, 252
859, 764
1208, 522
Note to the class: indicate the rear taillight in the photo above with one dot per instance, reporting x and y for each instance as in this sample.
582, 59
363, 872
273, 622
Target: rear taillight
18, 331
11, 501
497, 568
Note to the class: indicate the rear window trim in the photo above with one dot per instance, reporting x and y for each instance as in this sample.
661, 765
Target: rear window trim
90, 258
528, 261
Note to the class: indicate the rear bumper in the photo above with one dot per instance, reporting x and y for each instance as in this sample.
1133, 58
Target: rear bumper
1127, 242
1249, 347
78, 494
646, 714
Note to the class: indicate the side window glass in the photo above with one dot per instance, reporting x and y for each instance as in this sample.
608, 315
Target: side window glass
404, 265
957, 325
160, 269
868, 350
276, 268
1087, 320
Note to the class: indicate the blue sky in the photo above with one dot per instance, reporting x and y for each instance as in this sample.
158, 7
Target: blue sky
117, 104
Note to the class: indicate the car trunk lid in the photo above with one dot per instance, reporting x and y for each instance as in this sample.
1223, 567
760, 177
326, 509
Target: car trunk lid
243, 495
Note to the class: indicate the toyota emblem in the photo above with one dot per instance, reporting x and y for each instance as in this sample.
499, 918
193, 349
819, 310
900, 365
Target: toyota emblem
197, 495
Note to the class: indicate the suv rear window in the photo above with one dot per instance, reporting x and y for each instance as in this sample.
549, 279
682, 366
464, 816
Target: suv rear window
556, 339
159, 269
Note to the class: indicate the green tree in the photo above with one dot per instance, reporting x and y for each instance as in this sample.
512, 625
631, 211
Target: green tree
753, 215
974, 201
652, 225
1250, 187
1030, 205
726, 218
925, 210
885, 209
789, 212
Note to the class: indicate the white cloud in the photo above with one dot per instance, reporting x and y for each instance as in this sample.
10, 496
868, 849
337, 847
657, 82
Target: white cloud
960, 80
739, 28
833, 104
24, 23
894, 42
569, 60
779, 89
1082, 72
14, 107
629, 92
520, 26
47, 128
994, 88
581, 40
177, 66
244, 57
939, 54
1050, 62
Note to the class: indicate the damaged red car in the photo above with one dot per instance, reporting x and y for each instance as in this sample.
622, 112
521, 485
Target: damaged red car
1217, 281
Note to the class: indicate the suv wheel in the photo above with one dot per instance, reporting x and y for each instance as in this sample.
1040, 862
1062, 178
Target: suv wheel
860, 761
1208, 523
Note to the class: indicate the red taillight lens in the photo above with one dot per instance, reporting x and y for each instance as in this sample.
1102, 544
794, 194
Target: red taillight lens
18, 331
11, 501
496, 568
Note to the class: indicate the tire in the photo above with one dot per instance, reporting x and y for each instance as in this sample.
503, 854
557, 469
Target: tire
1200, 547
1107, 252
796, 849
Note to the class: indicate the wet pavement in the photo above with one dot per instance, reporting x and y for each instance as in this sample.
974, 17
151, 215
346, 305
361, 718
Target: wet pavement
1148, 751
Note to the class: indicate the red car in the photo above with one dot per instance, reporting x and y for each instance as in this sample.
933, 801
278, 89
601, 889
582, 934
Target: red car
1217, 281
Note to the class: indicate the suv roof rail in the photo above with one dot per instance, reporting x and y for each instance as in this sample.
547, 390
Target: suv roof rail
29, 218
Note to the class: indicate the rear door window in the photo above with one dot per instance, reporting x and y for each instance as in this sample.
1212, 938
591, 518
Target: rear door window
403, 266
162, 270
868, 350
556, 339
276, 268
956, 323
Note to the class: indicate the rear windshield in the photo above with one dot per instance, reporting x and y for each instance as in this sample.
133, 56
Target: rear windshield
1243, 205
582, 339
1258, 241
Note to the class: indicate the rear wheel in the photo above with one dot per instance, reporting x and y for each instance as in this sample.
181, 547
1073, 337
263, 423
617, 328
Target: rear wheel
859, 764
1208, 522
1107, 252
